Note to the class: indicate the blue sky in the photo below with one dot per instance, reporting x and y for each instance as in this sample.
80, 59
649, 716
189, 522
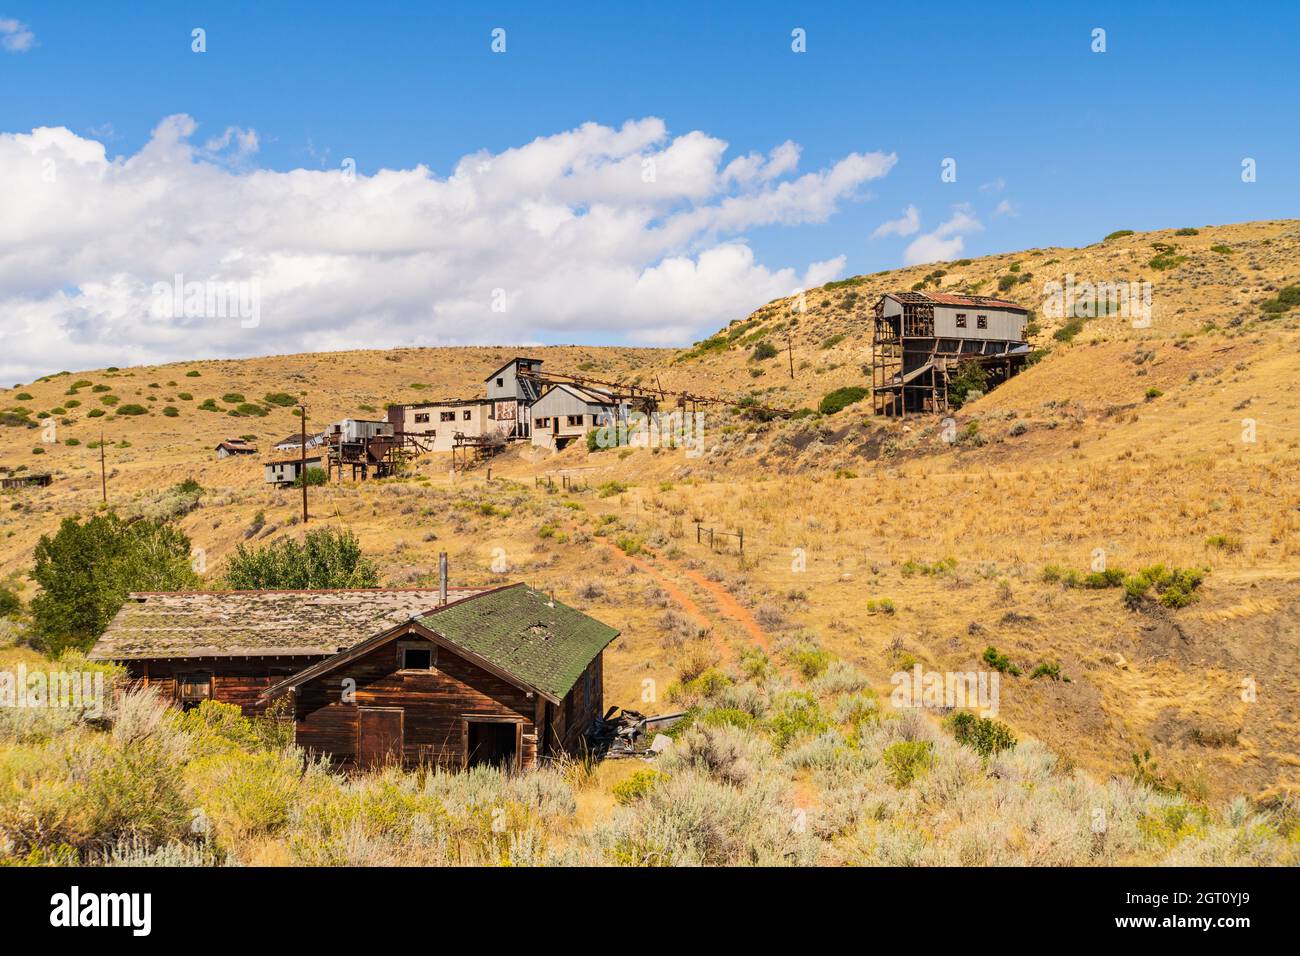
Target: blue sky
1071, 144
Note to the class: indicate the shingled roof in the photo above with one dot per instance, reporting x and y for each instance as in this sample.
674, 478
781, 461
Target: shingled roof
522, 634
535, 638
186, 624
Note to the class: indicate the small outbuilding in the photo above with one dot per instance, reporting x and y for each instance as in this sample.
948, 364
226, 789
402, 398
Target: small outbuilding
285, 471
235, 446
567, 412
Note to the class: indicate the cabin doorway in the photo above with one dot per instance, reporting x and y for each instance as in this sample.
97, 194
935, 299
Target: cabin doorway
379, 737
492, 743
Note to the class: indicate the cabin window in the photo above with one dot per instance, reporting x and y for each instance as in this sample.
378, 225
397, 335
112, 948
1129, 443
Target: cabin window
466, 415
961, 320
446, 416
421, 418
543, 422
194, 690
575, 421
981, 322
416, 656
501, 383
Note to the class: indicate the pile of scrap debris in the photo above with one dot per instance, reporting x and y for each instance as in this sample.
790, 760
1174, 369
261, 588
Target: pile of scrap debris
624, 733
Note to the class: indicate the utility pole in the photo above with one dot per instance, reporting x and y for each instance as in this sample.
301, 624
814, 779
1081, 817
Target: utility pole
103, 478
789, 347
302, 465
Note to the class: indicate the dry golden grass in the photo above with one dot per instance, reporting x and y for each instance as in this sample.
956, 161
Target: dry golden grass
1097, 466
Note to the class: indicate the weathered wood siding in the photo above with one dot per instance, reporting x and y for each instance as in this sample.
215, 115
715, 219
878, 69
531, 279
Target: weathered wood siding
235, 680
435, 704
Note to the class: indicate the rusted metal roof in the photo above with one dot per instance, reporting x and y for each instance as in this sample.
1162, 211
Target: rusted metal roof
950, 298
186, 624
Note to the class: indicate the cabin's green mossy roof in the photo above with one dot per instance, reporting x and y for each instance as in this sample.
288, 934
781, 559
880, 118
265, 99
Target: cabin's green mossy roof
525, 633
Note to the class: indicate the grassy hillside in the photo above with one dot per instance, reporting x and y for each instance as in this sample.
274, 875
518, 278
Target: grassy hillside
879, 545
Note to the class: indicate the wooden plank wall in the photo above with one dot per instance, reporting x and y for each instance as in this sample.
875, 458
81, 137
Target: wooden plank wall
435, 703
235, 680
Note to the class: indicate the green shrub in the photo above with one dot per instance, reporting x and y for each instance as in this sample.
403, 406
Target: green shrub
133, 410
250, 410
1174, 587
1050, 669
171, 411
630, 544
1099, 580
1224, 542
999, 661
284, 399
96, 413
637, 787
1188, 231
841, 399
797, 714
1118, 233
907, 759
1222, 250
1153, 393
192, 373
982, 734
762, 352
1069, 330
832, 341
312, 477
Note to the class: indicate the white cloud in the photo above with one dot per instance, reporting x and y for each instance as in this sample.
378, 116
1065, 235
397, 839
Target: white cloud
944, 242
16, 37
908, 224
625, 232
1006, 208
994, 186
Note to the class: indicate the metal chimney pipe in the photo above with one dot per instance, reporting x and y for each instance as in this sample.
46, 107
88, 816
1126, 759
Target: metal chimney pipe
442, 578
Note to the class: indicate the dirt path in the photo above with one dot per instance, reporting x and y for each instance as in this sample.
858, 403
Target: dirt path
733, 609
682, 600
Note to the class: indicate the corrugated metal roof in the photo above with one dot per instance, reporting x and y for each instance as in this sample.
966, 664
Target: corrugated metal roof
951, 298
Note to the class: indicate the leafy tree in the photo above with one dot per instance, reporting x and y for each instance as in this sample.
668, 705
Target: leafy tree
970, 377
313, 476
88, 567
326, 558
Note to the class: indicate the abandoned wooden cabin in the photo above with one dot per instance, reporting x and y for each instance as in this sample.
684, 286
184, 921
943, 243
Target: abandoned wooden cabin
565, 413
235, 446
447, 676
922, 338
40, 480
